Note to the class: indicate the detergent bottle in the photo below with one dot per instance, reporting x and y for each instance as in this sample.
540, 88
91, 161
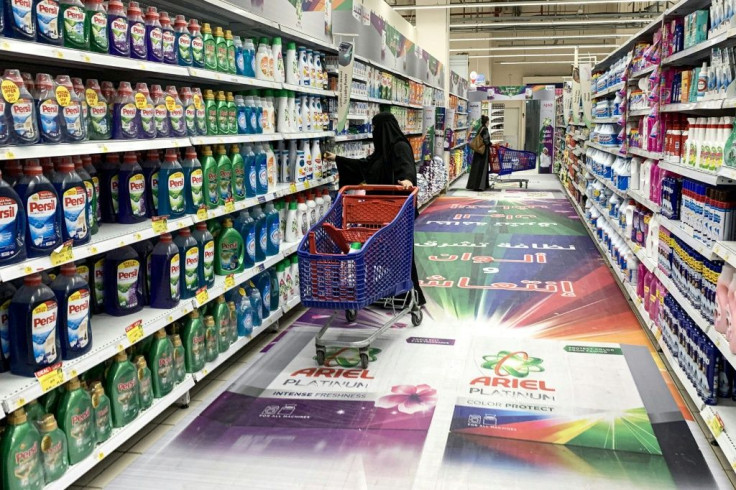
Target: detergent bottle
193, 181
197, 44
221, 51
125, 117
20, 23
74, 120
137, 30
160, 112
89, 187
22, 463
229, 250
161, 359
146, 112
251, 177
211, 179
144, 250
231, 53
275, 291
190, 110
101, 407
100, 117
54, 448
118, 29
21, 127
210, 48
223, 114
189, 254
263, 283
200, 111
171, 183
132, 185
49, 110
211, 339
75, 24
168, 39
192, 336
232, 114
122, 388
154, 35
73, 299
43, 210
110, 188
176, 113
123, 282
211, 113
74, 206
13, 224
145, 382
245, 314
224, 174
183, 41
261, 164
180, 371
151, 168
273, 230
206, 245
76, 418
99, 39
256, 304
261, 230
165, 274
246, 226
96, 267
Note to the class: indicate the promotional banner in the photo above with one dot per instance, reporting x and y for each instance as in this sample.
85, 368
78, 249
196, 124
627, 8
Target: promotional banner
576, 96
312, 17
458, 85
585, 93
566, 101
345, 62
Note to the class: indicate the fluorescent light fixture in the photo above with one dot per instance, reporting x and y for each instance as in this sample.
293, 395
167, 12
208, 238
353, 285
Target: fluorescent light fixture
542, 62
538, 38
552, 23
481, 5
551, 47
553, 55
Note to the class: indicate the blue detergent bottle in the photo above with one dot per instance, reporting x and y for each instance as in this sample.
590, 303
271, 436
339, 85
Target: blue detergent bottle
89, 187
151, 167
12, 172
34, 315
20, 21
74, 127
125, 117
273, 228
21, 123
132, 185
261, 171
154, 35
256, 303
246, 226
165, 274
48, 109
241, 115
206, 244
110, 188
74, 206
183, 41
275, 290
193, 181
263, 283
239, 56
144, 250
171, 200
12, 225
43, 211
123, 282
74, 328
189, 255
251, 175
245, 314
261, 233
161, 112
47, 22
7, 291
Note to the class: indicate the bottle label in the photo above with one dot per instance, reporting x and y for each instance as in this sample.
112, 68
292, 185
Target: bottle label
138, 39
176, 114
41, 211
74, 206
128, 283
128, 113
99, 119
210, 56
250, 244
98, 31
239, 181
22, 115
161, 115
263, 237
74, 18
266, 297
47, 16
5, 329
239, 63
136, 190
99, 280
127, 395
119, 31
242, 123
185, 47
274, 235
176, 192
73, 120
48, 112
211, 343
148, 122
223, 122
190, 118
102, 419
263, 177
233, 119
196, 181
169, 40
222, 63
43, 328
209, 261
213, 192
229, 259
201, 119
22, 16
225, 184
198, 50
191, 269
305, 223
174, 273
146, 392
252, 178
53, 457
198, 351
156, 38
115, 193
77, 318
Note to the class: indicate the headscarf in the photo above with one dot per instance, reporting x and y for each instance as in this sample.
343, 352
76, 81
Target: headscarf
386, 133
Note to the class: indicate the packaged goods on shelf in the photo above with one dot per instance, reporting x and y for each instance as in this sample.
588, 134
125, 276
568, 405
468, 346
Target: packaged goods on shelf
612, 77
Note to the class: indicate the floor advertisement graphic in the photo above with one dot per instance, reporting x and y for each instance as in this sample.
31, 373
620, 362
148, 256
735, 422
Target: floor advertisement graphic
529, 367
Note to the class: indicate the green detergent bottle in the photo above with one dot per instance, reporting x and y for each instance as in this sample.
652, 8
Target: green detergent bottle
103, 416
161, 360
122, 386
53, 448
192, 336
224, 174
34, 411
76, 418
229, 250
221, 314
211, 184
223, 114
221, 51
232, 114
145, 382
22, 467
210, 110
210, 48
180, 370
50, 400
211, 339
238, 173
233, 321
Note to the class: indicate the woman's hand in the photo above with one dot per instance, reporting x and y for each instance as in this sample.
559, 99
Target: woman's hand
329, 157
406, 184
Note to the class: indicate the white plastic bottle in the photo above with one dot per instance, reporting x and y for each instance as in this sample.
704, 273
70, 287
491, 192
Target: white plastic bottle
312, 207
283, 121
320, 204
319, 119
327, 200
308, 165
309, 75
271, 112
262, 61
298, 112
283, 159
318, 70
278, 60
292, 223
293, 115
291, 67
271, 164
301, 164
316, 160
306, 124
302, 217
303, 67
294, 277
292, 162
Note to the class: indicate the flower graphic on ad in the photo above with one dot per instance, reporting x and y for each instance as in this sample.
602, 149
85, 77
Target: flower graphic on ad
409, 399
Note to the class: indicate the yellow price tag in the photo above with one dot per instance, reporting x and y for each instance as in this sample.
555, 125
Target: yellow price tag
716, 425
100, 456
307, 185
160, 224
134, 331
62, 254
230, 281
50, 377
202, 296
202, 213
292, 187
229, 206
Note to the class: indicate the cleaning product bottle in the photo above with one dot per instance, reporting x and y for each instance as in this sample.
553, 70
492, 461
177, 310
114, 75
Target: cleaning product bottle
230, 45
239, 56
292, 224
76, 419
183, 41
210, 108
233, 323
99, 41
211, 179
261, 233
263, 283
122, 387
22, 464
245, 314
200, 110
21, 121
161, 360
74, 121
123, 282
241, 116
251, 174
247, 229
273, 230
13, 224
144, 250
171, 198
74, 206
145, 382
277, 55
165, 274
154, 35
229, 249
223, 114
49, 111
295, 275
97, 281
75, 24
125, 118
221, 50
20, 23
224, 174
118, 29
7, 291
221, 315
146, 111
137, 29
43, 211
256, 304
262, 60
103, 415
261, 164
176, 113
281, 276
232, 114
89, 188
132, 185
73, 300
250, 114
206, 247
54, 448
100, 117
302, 212
275, 291
168, 39
190, 110
249, 57
211, 339
189, 254
193, 181
151, 168
238, 174
197, 44
192, 337
180, 371
161, 112
312, 209
210, 48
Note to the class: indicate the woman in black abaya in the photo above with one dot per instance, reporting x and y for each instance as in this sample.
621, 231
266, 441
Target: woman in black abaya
391, 163
478, 178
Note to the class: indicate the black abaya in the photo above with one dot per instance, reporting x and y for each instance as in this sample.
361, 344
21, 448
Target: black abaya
478, 178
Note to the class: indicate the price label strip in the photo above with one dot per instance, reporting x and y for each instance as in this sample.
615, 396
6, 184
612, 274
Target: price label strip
202, 296
63, 254
160, 224
134, 332
230, 281
50, 377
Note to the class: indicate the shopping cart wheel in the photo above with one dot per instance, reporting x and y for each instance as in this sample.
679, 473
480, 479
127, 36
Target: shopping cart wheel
364, 360
417, 317
351, 315
321, 354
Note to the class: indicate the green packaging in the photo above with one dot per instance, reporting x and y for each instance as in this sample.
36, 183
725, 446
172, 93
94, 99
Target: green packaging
210, 184
221, 51
180, 370
224, 174
210, 48
122, 387
103, 415
192, 336
161, 360
210, 110
238, 173
34, 411
229, 250
221, 314
53, 448
22, 466
76, 418
211, 339
223, 114
145, 383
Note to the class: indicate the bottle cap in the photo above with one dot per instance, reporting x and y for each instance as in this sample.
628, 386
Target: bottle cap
176, 340
69, 270
121, 356
165, 19
66, 165
130, 157
209, 321
185, 232
171, 155
140, 362
194, 25
218, 32
180, 22
207, 151
276, 40
165, 238
206, 28
47, 423
264, 40
152, 14
191, 153
160, 334
291, 45
202, 226
134, 9
227, 223
32, 280
229, 34
18, 417
73, 384
195, 312
231, 305
96, 387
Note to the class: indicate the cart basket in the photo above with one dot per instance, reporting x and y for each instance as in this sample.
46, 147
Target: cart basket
510, 161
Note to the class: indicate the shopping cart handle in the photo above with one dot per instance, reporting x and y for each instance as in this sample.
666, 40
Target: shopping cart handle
378, 188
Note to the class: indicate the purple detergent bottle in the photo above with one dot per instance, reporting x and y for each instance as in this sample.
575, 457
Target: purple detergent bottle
137, 27
154, 35
118, 29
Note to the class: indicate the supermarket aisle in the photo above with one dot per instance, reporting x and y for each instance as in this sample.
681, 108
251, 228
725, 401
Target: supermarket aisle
529, 365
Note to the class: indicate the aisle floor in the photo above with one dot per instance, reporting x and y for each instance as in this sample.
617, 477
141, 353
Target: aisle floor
529, 368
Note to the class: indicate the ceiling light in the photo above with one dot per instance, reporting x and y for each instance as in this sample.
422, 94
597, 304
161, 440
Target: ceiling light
540, 62
481, 5
548, 23
537, 48
493, 56
538, 38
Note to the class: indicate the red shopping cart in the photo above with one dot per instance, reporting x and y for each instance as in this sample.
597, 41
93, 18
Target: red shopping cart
332, 275
505, 161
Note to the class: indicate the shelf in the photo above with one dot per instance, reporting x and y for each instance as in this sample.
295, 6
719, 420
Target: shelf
458, 96
613, 150
121, 435
639, 112
699, 52
606, 120
644, 153
642, 73
235, 139
607, 183
725, 176
457, 147
457, 177
90, 147
685, 233
610, 90
726, 251
642, 199
310, 90
308, 135
705, 105
353, 137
